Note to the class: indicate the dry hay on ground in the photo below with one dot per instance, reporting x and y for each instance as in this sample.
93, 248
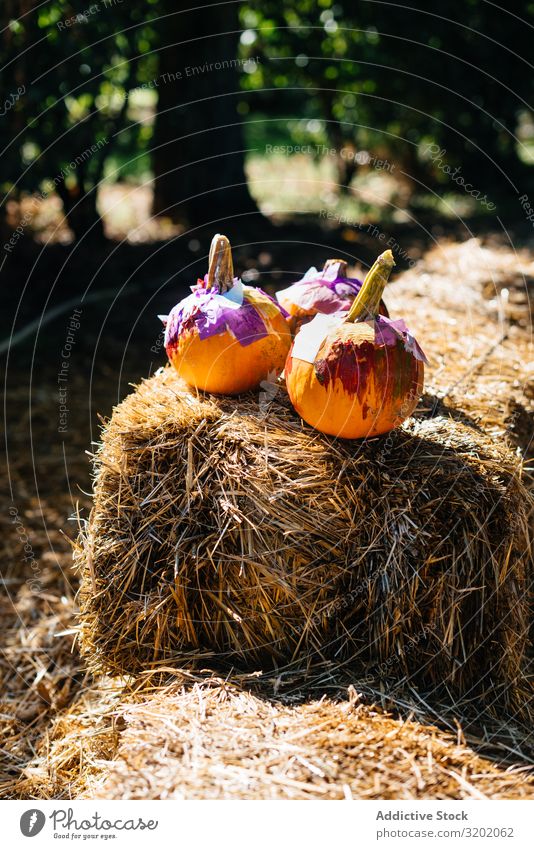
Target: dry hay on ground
222, 742
219, 739
225, 532
39, 674
57, 723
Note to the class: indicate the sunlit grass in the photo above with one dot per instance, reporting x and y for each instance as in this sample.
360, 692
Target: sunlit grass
288, 185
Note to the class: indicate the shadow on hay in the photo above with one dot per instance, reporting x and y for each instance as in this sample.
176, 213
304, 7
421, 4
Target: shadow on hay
433, 406
235, 537
519, 421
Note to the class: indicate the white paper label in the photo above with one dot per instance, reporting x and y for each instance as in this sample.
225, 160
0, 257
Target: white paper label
311, 336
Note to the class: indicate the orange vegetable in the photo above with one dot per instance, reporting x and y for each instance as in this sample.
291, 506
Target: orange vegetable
327, 291
357, 375
226, 337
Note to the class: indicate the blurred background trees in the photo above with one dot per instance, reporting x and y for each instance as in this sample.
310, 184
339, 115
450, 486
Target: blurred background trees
77, 71
191, 103
198, 152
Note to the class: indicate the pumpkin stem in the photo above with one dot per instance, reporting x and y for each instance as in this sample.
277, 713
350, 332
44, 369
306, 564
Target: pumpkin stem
367, 302
221, 266
341, 263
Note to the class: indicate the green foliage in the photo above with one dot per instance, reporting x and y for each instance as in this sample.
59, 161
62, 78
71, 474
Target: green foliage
396, 79
77, 71
386, 78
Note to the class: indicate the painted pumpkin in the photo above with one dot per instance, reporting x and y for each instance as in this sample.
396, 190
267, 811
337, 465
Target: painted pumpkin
357, 375
326, 292
226, 337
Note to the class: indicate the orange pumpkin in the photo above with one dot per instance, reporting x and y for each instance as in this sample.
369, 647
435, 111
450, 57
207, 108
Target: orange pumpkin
357, 375
327, 291
226, 337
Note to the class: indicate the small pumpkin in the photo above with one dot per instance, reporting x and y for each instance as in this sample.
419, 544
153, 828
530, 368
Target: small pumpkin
226, 337
327, 291
357, 375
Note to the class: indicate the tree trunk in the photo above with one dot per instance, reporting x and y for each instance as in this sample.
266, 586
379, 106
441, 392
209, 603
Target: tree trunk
81, 213
199, 169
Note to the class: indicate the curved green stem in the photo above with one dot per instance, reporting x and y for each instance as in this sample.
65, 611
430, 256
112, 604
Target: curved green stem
367, 302
221, 266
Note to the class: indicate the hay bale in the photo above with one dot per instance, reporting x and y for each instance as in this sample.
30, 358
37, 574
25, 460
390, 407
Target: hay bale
227, 532
469, 307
